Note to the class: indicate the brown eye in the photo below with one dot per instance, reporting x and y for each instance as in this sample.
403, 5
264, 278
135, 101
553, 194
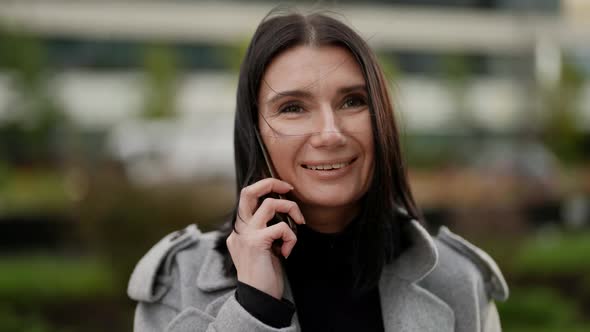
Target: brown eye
293, 108
354, 101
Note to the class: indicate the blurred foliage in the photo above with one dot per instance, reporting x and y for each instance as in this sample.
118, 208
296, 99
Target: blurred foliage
554, 254
431, 151
529, 307
60, 293
34, 279
25, 190
23, 53
10, 320
390, 68
33, 123
547, 274
161, 71
234, 55
121, 221
456, 71
539, 309
118, 222
562, 133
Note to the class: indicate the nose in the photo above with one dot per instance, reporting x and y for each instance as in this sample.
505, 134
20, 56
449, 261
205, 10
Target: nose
330, 134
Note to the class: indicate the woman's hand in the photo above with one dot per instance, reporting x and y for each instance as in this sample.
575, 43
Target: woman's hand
251, 247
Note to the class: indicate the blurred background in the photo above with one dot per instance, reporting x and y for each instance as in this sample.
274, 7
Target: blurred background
116, 128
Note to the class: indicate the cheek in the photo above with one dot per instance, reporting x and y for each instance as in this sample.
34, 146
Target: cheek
282, 156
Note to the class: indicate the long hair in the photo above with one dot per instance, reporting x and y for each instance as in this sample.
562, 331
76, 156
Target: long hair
388, 203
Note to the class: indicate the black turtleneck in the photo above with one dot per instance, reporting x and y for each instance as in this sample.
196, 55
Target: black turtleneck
321, 276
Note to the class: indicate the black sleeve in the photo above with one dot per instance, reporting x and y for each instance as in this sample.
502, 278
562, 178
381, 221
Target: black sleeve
267, 309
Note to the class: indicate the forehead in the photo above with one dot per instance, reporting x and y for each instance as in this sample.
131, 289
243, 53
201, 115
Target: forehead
310, 67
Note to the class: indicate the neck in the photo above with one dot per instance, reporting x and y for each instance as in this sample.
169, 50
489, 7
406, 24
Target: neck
329, 220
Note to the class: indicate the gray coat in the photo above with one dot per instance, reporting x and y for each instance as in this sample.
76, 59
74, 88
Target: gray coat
439, 284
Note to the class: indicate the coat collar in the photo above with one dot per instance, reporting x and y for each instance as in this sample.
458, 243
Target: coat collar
405, 305
212, 275
418, 260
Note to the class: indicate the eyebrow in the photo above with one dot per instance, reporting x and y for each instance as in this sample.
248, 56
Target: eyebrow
290, 93
307, 94
352, 88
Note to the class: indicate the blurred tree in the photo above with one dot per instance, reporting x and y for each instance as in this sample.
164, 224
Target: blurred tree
33, 120
234, 55
161, 77
456, 71
390, 68
562, 133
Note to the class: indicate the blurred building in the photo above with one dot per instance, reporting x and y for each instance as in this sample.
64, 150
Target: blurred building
455, 64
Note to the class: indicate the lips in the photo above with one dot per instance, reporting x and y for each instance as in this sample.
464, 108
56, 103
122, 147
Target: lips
328, 165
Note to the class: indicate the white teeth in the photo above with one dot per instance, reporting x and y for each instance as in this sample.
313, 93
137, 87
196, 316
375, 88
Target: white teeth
327, 167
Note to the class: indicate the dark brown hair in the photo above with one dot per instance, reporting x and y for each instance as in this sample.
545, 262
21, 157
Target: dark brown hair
388, 203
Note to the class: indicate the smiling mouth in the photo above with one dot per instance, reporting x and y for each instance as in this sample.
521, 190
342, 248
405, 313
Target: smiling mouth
328, 167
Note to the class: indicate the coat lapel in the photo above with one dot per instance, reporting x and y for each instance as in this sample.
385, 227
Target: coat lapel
406, 306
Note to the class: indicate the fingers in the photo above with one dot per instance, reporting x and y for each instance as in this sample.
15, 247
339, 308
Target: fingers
249, 195
240, 223
252, 217
282, 231
271, 206
264, 239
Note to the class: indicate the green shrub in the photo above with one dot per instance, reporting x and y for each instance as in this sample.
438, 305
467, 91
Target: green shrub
538, 308
14, 322
562, 254
35, 279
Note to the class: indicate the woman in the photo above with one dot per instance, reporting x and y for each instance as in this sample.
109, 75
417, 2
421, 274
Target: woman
351, 256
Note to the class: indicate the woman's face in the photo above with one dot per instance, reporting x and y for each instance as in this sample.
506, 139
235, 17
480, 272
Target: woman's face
315, 122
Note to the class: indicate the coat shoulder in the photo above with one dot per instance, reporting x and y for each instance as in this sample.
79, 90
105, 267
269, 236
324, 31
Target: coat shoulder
149, 278
458, 257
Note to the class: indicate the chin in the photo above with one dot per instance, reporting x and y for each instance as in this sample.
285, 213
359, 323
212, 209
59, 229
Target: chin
329, 200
